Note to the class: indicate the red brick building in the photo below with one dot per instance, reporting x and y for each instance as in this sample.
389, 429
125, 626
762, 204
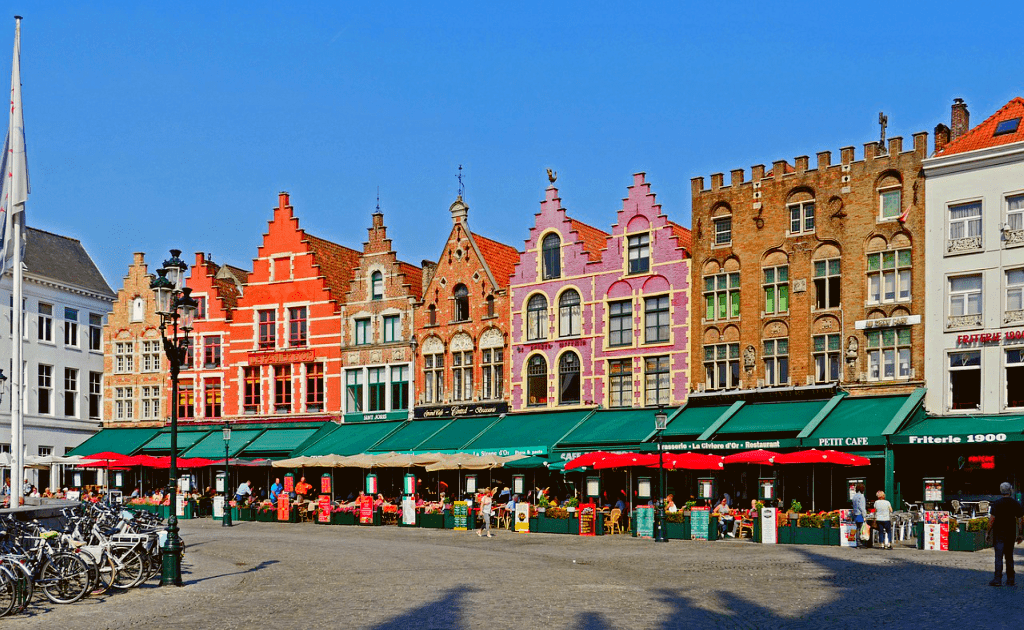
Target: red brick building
377, 342
812, 275
462, 325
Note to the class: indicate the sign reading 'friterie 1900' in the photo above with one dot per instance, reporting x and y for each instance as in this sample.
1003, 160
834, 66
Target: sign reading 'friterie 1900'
284, 356
1006, 336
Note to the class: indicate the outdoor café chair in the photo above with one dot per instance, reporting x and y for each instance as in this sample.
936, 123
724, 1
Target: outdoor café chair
983, 508
611, 524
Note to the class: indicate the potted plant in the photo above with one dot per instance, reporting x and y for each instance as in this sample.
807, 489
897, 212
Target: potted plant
794, 512
555, 520
676, 526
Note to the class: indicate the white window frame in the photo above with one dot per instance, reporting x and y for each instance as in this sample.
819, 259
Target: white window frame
949, 379
721, 362
72, 385
718, 222
826, 357
777, 287
715, 292
799, 214
882, 194
640, 245
45, 322
964, 223
1013, 292
828, 278
1015, 216
965, 296
900, 273
1007, 366
774, 361
882, 354
71, 327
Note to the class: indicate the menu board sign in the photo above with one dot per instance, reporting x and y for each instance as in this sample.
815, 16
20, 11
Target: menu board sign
847, 534
460, 512
933, 490
588, 519
289, 483
283, 507
936, 531
179, 505
644, 522
522, 518
325, 484
219, 483
218, 507
700, 519
769, 533
366, 510
706, 488
324, 511
408, 511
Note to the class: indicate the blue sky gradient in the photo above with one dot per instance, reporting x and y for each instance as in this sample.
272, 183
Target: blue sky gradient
153, 126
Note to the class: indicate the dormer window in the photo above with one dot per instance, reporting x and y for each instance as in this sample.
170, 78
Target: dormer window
551, 256
377, 285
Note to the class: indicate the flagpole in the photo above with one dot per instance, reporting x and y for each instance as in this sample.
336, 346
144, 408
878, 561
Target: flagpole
18, 219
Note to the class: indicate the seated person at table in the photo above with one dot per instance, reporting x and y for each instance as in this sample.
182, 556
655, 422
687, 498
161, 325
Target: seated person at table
670, 504
243, 492
725, 521
302, 489
621, 503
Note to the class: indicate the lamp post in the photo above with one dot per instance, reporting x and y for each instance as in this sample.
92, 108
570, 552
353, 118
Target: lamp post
176, 308
3, 384
226, 520
660, 423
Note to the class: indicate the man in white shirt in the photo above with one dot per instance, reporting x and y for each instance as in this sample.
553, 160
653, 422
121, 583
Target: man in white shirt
243, 491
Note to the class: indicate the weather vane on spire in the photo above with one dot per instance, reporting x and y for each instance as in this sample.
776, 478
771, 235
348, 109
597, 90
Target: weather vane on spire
883, 122
378, 198
462, 188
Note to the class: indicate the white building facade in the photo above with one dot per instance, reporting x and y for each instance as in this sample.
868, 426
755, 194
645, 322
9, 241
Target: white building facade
974, 324
66, 301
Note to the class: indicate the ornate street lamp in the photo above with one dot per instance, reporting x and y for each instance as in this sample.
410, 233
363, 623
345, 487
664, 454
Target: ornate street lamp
176, 308
226, 520
660, 424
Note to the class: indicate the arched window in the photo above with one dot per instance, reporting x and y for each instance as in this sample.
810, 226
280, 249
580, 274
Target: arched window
432, 315
536, 318
461, 303
377, 285
569, 314
550, 247
569, 379
490, 306
537, 381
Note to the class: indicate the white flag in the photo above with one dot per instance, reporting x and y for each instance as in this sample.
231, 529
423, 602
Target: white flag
14, 164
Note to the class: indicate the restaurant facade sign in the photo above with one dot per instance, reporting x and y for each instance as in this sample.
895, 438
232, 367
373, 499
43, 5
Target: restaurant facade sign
998, 336
460, 411
280, 357
959, 438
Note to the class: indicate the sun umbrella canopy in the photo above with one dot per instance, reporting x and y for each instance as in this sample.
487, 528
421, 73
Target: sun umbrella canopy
814, 456
760, 456
690, 461
587, 460
626, 460
105, 455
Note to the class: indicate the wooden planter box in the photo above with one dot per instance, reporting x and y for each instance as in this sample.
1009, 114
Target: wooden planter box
266, 516
547, 525
243, 514
808, 535
430, 521
449, 520
678, 531
967, 541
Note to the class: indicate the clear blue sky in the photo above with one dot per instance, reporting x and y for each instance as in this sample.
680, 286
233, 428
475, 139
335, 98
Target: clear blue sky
152, 125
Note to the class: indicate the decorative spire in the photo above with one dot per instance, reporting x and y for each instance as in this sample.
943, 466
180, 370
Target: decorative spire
552, 176
462, 188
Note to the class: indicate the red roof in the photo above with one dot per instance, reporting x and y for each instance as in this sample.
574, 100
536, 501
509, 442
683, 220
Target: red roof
337, 264
414, 278
501, 259
683, 236
983, 136
592, 238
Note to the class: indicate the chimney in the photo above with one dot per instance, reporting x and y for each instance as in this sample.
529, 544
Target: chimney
459, 210
139, 258
378, 219
941, 137
282, 199
959, 119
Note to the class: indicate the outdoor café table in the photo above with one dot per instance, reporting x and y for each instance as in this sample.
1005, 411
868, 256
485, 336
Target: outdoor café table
971, 506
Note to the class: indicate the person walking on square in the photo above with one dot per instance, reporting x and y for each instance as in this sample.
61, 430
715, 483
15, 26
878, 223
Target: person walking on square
485, 512
883, 520
1003, 524
859, 510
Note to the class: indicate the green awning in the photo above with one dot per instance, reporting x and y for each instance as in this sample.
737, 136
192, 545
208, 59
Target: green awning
410, 435
161, 443
775, 417
613, 426
349, 439
212, 446
531, 462
530, 434
856, 421
456, 434
281, 441
972, 429
325, 429
692, 421
123, 441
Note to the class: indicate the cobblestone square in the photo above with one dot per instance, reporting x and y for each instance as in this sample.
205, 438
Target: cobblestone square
303, 576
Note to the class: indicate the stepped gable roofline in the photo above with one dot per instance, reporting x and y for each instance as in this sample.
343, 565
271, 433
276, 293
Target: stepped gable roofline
500, 258
226, 290
801, 164
413, 278
593, 239
64, 260
683, 236
983, 136
336, 262
240, 275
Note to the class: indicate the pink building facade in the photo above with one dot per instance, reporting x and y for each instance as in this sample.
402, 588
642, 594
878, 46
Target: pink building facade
601, 318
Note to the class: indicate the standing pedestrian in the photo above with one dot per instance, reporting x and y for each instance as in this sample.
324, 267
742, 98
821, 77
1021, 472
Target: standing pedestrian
275, 490
1005, 516
485, 512
859, 511
883, 520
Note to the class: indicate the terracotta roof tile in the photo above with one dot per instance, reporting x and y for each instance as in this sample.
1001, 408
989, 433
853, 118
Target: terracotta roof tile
593, 239
500, 258
241, 274
983, 136
413, 277
337, 264
683, 236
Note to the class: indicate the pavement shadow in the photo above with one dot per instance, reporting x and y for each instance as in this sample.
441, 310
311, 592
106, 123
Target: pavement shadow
444, 612
859, 594
592, 621
253, 569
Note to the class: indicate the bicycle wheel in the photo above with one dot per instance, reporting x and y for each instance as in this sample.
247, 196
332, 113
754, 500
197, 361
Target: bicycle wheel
64, 578
8, 593
102, 574
131, 570
24, 588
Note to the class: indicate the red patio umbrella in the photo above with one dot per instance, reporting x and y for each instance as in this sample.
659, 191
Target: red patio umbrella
814, 456
625, 460
106, 455
143, 460
760, 456
689, 461
587, 460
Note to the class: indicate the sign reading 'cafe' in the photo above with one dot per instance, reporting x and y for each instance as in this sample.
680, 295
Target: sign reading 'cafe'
456, 411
